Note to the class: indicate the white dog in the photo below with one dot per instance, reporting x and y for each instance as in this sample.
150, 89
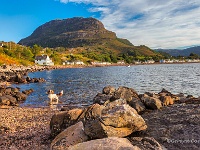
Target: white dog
54, 97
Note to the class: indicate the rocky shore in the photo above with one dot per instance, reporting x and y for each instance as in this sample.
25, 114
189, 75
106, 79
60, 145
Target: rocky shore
10, 74
146, 121
118, 119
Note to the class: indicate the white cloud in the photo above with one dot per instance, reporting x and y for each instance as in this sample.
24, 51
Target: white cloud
157, 24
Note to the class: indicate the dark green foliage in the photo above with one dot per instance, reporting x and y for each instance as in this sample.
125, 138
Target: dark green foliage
193, 56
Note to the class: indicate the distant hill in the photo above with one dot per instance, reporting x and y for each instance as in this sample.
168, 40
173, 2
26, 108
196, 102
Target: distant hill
184, 52
82, 32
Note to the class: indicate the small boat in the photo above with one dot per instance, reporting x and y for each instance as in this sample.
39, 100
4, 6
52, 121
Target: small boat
129, 66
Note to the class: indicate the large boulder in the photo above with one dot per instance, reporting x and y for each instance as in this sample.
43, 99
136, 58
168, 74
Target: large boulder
111, 143
62, 120
101, 98
19, 79
71, 136
115, 120
137, 105
4, 100
13, 100
8, 100
20, 96
124, 93
151, 102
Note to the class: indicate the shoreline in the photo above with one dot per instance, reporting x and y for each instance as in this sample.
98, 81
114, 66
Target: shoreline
29, 128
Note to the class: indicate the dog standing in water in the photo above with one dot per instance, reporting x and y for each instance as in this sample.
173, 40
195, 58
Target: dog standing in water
54, 97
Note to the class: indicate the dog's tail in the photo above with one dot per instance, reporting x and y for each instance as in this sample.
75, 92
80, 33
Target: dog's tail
61, 93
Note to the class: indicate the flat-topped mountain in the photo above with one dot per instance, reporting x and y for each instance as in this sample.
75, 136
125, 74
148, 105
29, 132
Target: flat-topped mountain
88, 33
73, 32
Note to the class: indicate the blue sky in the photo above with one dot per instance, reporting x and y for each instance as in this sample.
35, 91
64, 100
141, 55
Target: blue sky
154, 23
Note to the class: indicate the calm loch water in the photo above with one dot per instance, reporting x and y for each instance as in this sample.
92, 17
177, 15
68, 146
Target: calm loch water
80, 85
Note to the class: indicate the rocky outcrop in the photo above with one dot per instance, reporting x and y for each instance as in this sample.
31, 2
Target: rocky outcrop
118, 118
114, 119
12, 96
19, 74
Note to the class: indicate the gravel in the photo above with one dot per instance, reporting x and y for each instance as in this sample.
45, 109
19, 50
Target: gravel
25, 128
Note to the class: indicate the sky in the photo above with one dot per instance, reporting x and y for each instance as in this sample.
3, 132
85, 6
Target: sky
167, 24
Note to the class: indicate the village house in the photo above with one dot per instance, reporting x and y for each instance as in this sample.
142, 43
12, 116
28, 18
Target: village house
96, 63
43, 60
121, 62
150, 61
76, 62
1, 44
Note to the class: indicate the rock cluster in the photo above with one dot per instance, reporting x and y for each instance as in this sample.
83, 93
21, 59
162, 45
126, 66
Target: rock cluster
113, 121
18, 75
10, 96
139, 102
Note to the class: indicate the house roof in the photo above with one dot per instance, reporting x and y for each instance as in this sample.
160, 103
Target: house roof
41, 57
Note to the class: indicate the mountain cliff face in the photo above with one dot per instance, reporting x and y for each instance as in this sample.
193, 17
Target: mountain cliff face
88, 33
73, 32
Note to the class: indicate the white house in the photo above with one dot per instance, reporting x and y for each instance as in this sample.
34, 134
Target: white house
76, 62
1, 44
43, 60
121, 62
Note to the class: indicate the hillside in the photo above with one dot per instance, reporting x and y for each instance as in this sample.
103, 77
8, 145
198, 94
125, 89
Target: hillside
88, 33
185, 52
12, 53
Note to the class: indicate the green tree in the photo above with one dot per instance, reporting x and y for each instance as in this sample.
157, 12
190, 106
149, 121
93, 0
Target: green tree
18, 52
27, 54
36, 49
193, 56
113, 58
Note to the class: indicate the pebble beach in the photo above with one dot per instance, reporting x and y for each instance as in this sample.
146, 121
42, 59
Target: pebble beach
25, 128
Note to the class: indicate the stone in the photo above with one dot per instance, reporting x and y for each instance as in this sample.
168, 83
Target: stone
145, 143
108, 90
137, 105
151, 102
92, 112
28, 92
62, 120
101, 98
13, 100
124, 93
116, 120
71, 136
4, 100
20, 96
110, 143
166, 100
